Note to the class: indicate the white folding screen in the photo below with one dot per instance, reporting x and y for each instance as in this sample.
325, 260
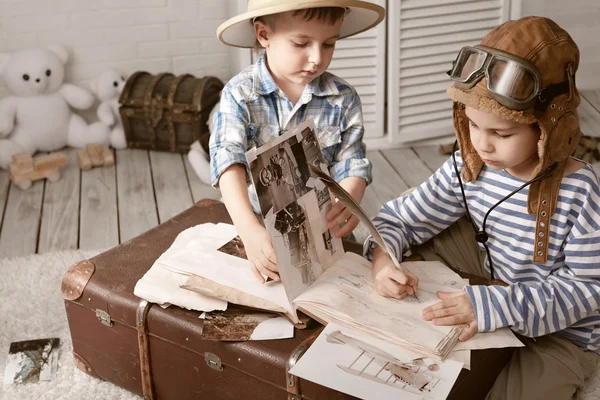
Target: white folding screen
360, 60
423, 39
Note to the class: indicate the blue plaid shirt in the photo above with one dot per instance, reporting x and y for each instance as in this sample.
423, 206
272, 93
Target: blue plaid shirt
253, 110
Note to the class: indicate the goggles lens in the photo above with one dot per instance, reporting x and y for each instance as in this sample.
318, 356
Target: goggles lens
509, 79
468, 64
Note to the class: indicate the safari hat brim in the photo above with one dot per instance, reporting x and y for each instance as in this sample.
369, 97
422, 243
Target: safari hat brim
239, 30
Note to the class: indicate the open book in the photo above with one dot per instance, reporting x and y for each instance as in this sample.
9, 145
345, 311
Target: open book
317, 276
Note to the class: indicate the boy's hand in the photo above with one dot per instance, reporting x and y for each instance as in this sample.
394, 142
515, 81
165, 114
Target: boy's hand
340, 216
391, 282
454, 309
260, 252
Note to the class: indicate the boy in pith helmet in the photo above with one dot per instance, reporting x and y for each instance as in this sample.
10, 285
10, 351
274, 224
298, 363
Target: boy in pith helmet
513, 205
286, 86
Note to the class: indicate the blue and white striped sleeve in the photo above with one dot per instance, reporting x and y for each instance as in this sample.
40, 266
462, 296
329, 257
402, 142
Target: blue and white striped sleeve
350, 158
569, 295
228, 141
420, 215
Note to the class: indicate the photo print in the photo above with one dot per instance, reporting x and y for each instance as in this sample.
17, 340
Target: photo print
31, 361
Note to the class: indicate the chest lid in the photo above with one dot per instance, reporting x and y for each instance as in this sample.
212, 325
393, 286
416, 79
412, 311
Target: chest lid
183, 93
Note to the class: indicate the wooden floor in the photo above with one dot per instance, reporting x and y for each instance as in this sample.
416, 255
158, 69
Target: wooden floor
103, 207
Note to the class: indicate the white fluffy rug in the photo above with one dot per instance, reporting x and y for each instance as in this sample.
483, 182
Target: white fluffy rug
31, 308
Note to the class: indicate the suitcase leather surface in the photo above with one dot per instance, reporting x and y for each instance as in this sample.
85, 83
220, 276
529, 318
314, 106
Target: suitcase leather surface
182, 364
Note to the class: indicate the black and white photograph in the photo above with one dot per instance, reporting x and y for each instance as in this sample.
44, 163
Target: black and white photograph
280, 171
294, 204
31, 361
279, 175
235, 247
292, 223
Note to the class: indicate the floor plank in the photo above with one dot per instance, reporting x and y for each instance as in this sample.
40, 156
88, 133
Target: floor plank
137, 205
431, 156
99, 216
171, 187
4, 188
589, 113
21, 222
60, 211
199, 189
387, 184
408, 165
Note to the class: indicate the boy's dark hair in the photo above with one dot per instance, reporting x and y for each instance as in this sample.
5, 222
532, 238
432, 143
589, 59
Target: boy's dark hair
328, 15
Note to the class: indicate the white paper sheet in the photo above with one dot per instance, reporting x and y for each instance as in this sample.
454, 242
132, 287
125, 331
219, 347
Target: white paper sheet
274, 328
196, 254
356, 364
162, 286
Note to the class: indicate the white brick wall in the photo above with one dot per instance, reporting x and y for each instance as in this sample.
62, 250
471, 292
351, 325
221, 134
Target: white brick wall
153, 35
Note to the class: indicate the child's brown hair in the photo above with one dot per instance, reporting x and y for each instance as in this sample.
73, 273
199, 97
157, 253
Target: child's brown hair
328, 15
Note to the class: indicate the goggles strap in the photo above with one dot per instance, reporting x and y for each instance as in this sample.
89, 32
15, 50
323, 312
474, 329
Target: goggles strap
548, 93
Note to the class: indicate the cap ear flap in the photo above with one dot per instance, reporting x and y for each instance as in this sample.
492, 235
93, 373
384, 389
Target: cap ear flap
563, 139
472, 163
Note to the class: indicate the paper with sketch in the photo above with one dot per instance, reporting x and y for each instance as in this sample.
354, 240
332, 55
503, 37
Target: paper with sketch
368, 368
293, 205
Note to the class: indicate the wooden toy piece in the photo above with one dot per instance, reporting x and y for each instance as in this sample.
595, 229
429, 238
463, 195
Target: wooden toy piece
95, 155
25, 169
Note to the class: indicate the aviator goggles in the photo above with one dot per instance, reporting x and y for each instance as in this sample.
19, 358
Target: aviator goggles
512, 81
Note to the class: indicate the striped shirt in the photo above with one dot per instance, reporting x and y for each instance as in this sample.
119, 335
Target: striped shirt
562, 295
254, 110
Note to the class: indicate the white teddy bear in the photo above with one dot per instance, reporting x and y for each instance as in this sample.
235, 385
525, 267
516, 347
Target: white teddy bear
108, 87
38, 116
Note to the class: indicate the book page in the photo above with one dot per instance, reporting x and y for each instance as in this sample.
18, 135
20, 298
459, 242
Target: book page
294, 205
346, 294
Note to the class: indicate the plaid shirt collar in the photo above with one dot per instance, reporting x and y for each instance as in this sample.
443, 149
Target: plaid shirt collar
264, 84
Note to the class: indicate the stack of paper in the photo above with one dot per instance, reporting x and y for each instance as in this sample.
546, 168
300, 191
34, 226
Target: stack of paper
368, 368
194, 257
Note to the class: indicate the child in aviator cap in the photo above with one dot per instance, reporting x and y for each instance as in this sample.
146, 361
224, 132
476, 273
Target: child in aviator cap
513, 205
286, 86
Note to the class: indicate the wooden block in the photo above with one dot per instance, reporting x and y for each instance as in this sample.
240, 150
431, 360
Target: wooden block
22, 158
83, 159
50, 161
109, 157
95, 152
22, 162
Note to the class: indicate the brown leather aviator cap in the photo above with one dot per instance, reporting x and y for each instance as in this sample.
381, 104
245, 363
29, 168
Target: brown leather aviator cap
556, 56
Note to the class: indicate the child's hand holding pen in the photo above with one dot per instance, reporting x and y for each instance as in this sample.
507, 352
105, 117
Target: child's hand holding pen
391, 281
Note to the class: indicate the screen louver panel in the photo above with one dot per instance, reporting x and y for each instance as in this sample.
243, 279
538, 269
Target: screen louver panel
424, 37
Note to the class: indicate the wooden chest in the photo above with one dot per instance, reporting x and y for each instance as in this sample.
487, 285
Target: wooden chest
167, 112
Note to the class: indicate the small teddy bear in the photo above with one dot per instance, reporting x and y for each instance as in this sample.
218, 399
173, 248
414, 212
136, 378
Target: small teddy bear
198, 158
108, 87
38, 115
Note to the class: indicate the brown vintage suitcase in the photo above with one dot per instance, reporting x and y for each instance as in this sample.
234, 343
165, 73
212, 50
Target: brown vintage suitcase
161, 353
168, 113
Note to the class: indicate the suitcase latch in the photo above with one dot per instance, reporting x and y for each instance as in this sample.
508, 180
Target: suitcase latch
213, 361
104, 317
